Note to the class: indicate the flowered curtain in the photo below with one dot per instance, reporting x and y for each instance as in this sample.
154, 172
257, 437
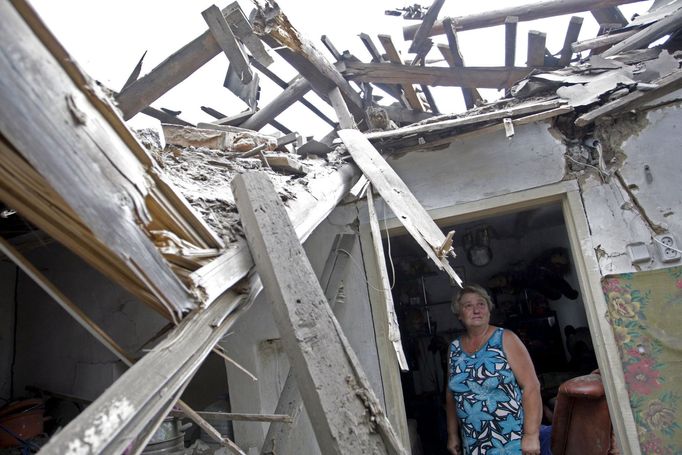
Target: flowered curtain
645, 311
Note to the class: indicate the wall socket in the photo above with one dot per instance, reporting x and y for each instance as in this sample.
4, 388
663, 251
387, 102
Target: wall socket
668, 248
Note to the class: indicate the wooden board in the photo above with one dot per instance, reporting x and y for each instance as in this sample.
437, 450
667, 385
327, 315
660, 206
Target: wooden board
574, 26
342, 407
80, 156
223, 35
471, 77
398, 197
526, 12
394, 57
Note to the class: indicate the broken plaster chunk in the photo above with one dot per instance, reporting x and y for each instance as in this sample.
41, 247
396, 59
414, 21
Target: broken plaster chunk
241, 141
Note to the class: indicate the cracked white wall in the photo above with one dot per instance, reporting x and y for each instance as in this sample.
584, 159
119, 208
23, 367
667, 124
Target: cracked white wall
641, 203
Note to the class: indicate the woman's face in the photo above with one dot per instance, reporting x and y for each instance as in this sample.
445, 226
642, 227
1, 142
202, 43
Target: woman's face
474, 311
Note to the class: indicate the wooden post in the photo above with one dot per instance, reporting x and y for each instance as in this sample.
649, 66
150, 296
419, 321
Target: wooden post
536, 49
574, 26
289, 403
455, 60
342, 407
342, 112
510, 26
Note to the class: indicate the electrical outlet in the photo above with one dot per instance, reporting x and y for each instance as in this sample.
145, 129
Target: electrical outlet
668, 248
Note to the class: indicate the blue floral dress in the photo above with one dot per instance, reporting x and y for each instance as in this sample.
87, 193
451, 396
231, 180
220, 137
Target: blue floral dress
487, 398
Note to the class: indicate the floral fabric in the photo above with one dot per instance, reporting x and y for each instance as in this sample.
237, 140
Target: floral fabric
487, 398
645, 311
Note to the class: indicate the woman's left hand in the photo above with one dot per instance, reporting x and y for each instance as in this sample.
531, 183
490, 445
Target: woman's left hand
530, 444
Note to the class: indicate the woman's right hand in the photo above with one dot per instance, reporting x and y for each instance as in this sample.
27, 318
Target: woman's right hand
454, 446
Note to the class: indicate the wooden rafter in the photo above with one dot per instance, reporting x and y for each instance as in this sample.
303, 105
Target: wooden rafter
471, 77
526, 12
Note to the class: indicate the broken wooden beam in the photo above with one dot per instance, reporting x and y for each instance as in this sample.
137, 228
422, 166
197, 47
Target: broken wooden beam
536, 49
424, 29
240, 26
223, 35
105, 184
371, 48
331, 48
471, 77
452, 55
647, 35
327, 372
398, 197
289, 402
603, 40
276, 30
410, 94
169, 73
574, 26
294, 92
527, 12
279, 81
342, 113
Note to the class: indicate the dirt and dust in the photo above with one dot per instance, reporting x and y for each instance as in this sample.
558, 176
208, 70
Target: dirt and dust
203, 177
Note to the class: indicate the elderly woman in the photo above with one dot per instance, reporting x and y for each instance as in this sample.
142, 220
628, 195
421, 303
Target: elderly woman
493, 403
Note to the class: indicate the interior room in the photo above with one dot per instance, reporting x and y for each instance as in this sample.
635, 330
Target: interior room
523, 259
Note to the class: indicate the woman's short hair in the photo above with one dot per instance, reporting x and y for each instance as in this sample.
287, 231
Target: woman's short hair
456, 303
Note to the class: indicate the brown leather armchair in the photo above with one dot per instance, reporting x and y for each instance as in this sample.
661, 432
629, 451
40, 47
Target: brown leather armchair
581, 423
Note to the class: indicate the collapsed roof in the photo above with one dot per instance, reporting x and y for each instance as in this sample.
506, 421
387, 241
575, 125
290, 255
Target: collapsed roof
162, 221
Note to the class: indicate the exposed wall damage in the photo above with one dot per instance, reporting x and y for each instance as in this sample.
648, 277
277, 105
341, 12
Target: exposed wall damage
163, 222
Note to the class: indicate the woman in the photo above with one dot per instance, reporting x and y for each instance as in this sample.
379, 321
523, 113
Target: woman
493, 403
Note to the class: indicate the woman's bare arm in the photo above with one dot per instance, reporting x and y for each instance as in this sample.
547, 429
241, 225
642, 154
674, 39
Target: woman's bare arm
522, 366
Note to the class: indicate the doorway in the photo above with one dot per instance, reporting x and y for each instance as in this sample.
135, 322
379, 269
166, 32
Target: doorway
524, 260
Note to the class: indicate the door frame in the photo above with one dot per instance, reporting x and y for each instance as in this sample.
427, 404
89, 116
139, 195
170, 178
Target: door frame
567, 194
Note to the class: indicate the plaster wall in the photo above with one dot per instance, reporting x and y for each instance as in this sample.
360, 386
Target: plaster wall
55, 353
480, 167
254, 342
634, 205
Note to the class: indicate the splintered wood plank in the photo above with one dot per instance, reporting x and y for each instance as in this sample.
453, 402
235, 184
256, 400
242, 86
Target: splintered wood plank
526, 12
121, 412
471, 77
388, 316
81, 156
574, 26
536, 49
276, 30
228, 43
510, 26
240, 26
601, 41
455, 60
398, 197
342, 407
394, 57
